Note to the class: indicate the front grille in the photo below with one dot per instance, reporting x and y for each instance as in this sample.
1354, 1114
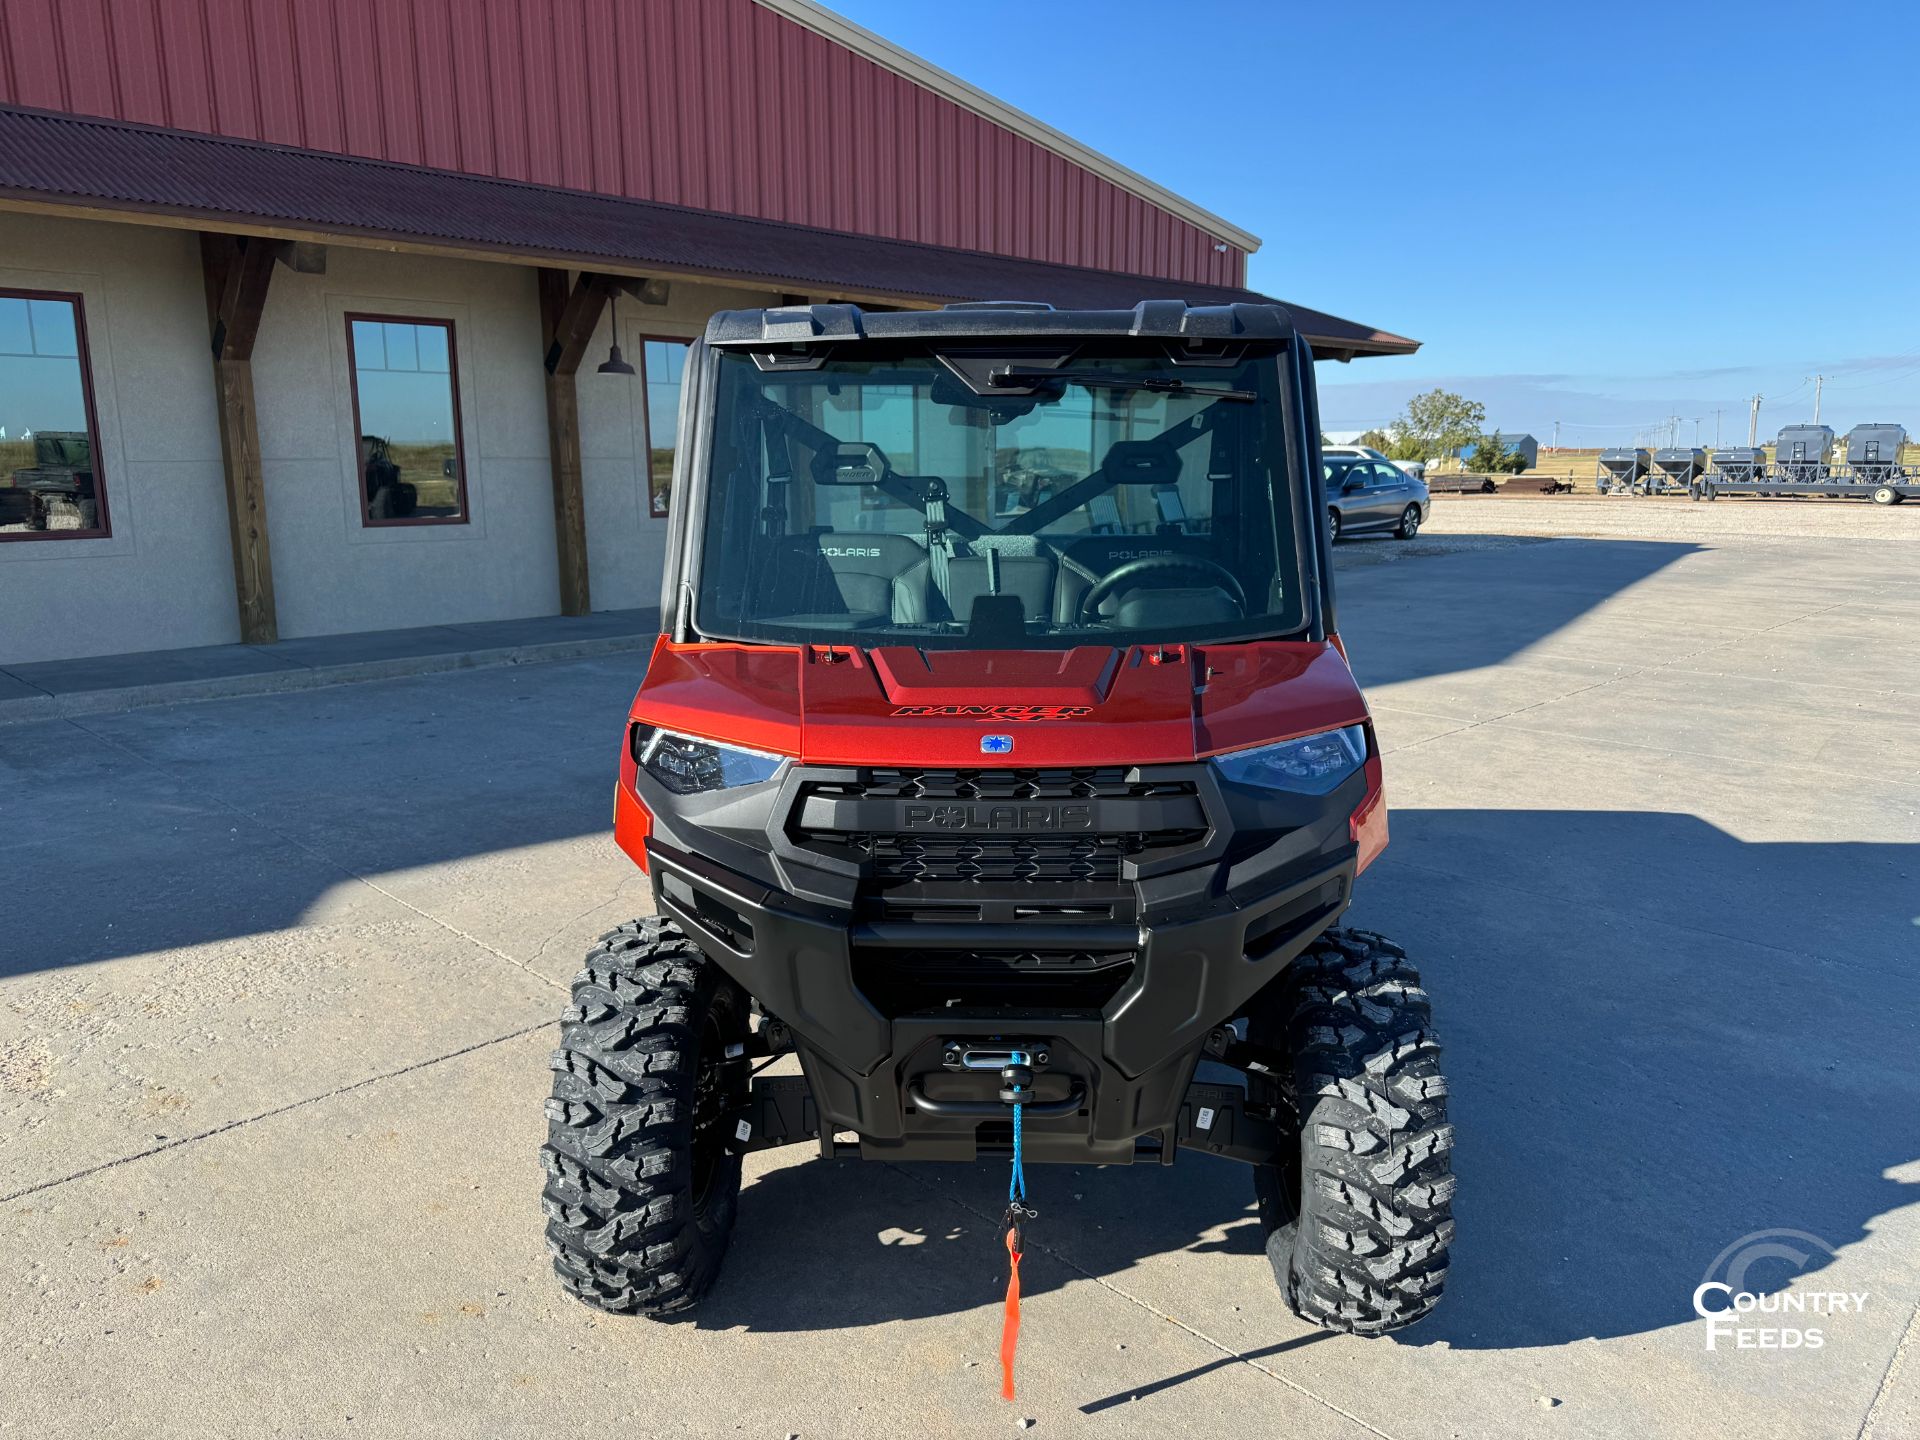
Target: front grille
927, 857
992, 858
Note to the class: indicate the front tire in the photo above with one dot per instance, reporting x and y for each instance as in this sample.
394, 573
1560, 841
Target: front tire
1358, 1212
1886, 495
641, 1187
1409, 525
1333, 524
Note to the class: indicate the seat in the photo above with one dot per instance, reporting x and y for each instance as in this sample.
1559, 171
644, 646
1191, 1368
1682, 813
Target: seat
862, 578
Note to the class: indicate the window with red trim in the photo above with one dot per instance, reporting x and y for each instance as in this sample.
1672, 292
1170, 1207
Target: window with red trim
51, 486
406, 420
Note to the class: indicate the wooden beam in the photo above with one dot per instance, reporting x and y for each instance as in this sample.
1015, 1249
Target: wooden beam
569, 314
237, 271
238, 298
570, 331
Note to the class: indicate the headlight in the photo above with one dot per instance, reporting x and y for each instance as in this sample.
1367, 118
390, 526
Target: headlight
687, 766
1311, 765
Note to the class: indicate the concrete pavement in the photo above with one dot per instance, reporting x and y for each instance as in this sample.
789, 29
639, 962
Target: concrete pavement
278, 977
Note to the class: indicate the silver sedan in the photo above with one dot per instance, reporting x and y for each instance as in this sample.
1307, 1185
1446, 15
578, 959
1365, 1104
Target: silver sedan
1370, 496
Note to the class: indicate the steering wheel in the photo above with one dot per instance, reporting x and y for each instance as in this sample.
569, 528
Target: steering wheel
1147, 564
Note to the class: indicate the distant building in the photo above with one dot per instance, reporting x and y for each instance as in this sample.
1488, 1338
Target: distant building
1528, 447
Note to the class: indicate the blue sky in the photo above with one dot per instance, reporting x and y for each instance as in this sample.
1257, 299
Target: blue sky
1603, 214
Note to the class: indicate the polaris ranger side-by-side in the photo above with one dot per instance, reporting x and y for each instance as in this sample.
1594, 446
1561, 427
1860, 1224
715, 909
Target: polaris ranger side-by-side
1000, 761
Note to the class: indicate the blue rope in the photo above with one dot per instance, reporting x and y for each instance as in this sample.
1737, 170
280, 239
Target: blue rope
1017, 1182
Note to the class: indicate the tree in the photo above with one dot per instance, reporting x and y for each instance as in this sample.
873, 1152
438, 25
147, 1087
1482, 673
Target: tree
1489, 456
1435, 424
1374, 439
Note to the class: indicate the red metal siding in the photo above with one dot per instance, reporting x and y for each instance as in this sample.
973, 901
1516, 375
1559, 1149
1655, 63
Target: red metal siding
719, 104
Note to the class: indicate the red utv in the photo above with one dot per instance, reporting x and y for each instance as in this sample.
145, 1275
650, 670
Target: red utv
1000, 760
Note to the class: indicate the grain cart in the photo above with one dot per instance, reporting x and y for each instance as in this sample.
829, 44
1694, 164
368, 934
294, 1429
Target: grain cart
1675, 471
1800, 457
1735, 469
1621, 472
1873, 461
1801, 467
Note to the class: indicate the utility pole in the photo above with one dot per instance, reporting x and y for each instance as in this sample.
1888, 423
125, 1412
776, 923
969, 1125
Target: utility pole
1556, 434
1716, 429
1753, 424
1818, 381
1696, 432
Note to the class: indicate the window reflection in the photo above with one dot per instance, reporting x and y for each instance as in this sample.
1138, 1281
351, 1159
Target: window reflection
406, 411
50, 486
663, 362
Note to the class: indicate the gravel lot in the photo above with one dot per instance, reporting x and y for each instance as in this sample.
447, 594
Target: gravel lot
278, 977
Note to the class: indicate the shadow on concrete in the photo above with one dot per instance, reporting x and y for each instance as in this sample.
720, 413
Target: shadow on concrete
1629, 1102
130, 833
1491, 603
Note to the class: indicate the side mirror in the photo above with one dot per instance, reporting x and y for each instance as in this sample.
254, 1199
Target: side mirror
1352, 487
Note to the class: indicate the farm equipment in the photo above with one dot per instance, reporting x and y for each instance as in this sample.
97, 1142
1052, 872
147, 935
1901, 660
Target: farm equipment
57, 491
1000, 818
1675, 471
1873, 456
1801, 466
1621, 472
1736, 466
1801, 454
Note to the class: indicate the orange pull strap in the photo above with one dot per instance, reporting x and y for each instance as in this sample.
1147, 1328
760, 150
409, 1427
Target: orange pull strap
1010, 1326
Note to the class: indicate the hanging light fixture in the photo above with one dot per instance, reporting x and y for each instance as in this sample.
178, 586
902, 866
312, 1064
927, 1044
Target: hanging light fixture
615, 363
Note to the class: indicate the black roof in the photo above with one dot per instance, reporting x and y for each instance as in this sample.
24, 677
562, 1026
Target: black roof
1171, 319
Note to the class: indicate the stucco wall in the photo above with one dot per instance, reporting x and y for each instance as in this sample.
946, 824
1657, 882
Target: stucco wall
332, 573
625, 547
164, 578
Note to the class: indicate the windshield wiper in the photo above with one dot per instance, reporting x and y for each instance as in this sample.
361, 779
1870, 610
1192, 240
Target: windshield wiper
1113, 380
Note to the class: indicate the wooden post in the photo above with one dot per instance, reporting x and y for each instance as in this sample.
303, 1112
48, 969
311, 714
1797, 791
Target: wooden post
238, 270
568, 317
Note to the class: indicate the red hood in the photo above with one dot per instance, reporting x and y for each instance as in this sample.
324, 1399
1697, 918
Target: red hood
1094, 705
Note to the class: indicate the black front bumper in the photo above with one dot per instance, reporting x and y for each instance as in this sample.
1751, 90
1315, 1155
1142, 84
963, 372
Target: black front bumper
1179, 941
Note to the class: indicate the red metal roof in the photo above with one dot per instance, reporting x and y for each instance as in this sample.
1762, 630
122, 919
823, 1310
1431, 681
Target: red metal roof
113, 165
711, 104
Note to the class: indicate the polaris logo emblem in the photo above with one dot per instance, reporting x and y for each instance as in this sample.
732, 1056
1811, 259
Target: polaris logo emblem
1024, 818
849, 551
996, 744
994, 712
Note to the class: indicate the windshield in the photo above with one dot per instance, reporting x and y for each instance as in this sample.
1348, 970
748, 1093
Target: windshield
998, 501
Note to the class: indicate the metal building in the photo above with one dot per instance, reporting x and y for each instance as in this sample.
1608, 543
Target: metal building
1523, 445
338, 316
